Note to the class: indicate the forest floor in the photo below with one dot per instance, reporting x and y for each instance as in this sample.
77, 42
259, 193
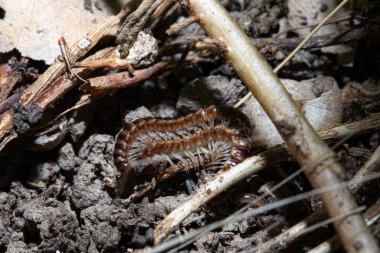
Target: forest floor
59, 185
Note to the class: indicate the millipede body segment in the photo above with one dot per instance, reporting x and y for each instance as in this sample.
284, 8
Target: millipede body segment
142, 139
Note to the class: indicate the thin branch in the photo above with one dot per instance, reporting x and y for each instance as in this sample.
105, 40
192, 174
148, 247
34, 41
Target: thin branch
105, 84
177, 27
63, 85
372, 165
285, 44
320, 41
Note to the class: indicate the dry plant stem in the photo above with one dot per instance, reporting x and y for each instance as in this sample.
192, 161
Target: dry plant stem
6, 127
338, 19
67, 57
62, 85
318, 41
8, 85
290, 56
294, 232
372, 165
109, 62
248, 168
301, 139
351, 129
286, 44
176, 28
133, 19
10, 101
162, 17
371, 216
104, 84
162, 10
55, 70
298, 48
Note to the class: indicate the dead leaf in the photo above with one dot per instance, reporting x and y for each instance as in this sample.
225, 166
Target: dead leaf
33, 27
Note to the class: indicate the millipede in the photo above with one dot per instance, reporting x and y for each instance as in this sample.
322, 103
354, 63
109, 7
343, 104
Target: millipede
142, 145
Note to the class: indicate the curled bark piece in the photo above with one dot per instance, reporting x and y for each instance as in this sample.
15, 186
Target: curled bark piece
49, 138
320, 101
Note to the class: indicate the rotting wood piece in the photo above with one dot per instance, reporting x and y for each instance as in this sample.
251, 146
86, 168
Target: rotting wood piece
133, 24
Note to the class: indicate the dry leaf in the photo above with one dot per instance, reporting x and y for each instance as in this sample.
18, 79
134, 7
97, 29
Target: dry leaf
33, 27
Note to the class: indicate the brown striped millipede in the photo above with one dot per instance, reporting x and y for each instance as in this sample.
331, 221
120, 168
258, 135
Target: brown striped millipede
151, 144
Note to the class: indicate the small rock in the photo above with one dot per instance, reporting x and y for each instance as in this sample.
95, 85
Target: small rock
143, 51
139, 113
86, 190
42, 174
67, 158
78, 123
97, 222
98, 150
17, 244
210, 90
49, 223
165, 110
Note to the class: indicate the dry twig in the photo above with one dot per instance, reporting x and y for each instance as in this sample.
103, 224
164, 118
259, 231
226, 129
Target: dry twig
104, 84
287, 44
63, 85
